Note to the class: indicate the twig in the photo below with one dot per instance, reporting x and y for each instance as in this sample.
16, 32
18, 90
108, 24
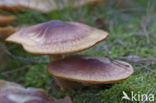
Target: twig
153, 71
137, 59
111, 25
25, 60
145, 22
139, 33
15, 70
116, 62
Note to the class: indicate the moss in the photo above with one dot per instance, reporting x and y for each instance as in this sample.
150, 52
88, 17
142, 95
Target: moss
138, 83
141, 82
120, 42
37, 76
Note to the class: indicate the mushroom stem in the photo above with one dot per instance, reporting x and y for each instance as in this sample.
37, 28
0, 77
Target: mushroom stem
67, 84
62, 83
55, 57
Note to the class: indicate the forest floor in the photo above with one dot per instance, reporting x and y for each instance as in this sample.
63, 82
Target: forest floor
132, 37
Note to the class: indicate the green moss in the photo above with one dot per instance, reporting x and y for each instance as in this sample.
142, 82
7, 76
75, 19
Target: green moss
138, 83
37, 76
120, 42
141, 82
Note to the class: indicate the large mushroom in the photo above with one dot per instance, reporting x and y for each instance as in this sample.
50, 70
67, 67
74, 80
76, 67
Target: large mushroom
88, 70
56, 37
15, 93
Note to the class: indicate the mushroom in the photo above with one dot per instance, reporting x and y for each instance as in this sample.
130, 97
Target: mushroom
14, 93
88, 70
55, 38
5, 32
6, 19
40, 5
19, 5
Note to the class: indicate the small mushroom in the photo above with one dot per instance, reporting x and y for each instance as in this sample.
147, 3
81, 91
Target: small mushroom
40, 5
6, 19
5, 32
89, 70
14, 93
19, 5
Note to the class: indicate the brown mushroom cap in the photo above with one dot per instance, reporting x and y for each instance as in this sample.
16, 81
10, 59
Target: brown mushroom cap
5, 32
90, 69
6, 19
40, 5
57, 37
19, 5
14, 93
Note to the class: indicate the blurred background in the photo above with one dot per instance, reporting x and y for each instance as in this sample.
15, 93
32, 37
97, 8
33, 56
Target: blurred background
131, 25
